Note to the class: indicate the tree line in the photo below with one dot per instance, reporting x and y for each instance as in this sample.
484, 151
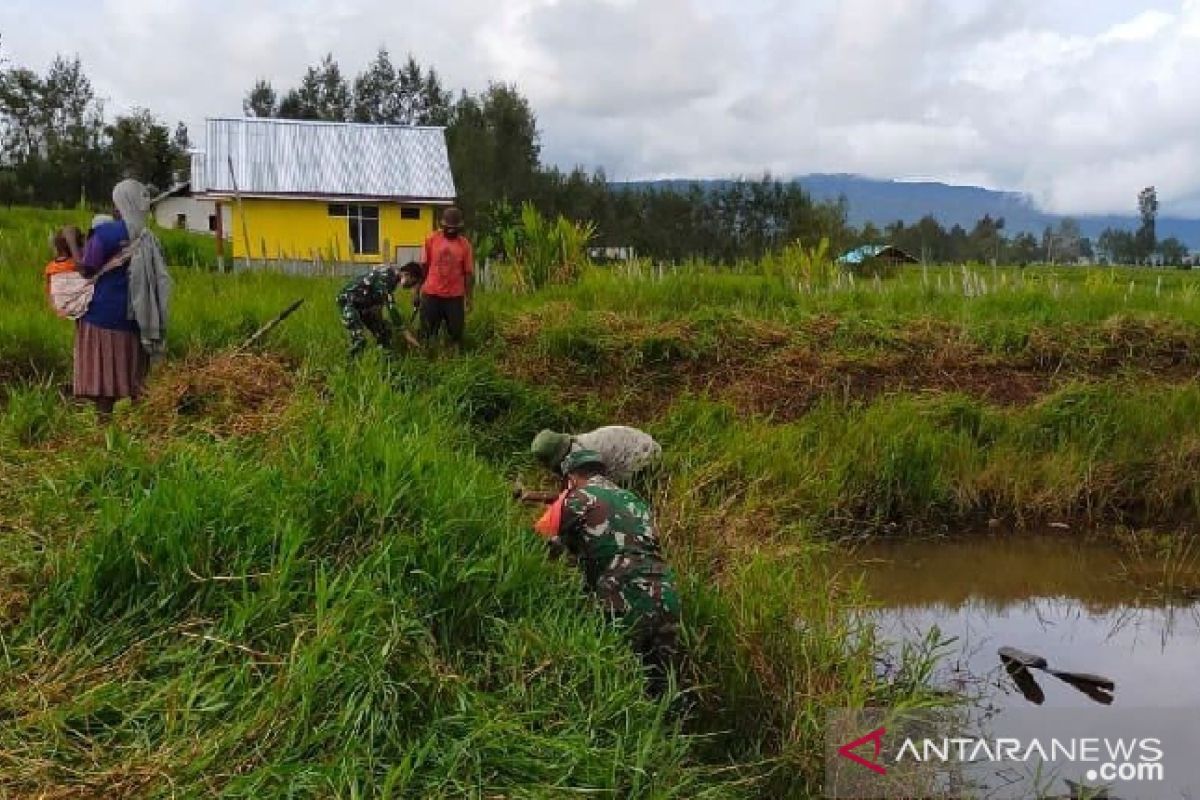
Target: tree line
494, 146
57, 148
989, 243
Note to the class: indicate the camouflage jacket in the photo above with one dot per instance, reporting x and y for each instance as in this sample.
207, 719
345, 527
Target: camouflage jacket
372, 289
612, 533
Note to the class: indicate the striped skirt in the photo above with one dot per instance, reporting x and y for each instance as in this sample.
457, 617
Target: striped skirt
109, 364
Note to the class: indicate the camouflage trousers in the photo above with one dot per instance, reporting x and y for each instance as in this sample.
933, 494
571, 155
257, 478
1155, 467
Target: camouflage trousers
645, 605
654, 636
358, 319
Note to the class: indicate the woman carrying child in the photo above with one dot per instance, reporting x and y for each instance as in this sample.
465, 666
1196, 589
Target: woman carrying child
119, 333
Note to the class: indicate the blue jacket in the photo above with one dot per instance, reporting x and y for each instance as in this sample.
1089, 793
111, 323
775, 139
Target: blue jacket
110, 301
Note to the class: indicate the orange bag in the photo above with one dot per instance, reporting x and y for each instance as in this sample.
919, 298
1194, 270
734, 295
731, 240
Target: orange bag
548, 525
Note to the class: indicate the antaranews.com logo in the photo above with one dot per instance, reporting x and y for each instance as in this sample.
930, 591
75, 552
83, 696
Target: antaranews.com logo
1067, 752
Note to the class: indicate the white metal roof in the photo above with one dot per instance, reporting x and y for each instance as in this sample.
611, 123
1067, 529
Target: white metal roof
275, 157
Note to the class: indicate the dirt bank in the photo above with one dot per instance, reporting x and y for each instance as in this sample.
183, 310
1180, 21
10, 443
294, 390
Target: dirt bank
782, 371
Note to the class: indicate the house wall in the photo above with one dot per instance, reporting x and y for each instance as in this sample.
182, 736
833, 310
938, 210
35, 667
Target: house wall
196, 213
302, 229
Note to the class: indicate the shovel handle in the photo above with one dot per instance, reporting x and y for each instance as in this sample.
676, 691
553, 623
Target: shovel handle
1028, 660
1099, 681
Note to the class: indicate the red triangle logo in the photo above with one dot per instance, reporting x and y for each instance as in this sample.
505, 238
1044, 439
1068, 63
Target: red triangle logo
876, 737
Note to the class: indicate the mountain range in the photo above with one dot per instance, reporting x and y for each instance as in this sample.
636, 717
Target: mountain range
885, 201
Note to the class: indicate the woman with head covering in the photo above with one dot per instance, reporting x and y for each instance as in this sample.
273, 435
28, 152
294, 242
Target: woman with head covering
110, 358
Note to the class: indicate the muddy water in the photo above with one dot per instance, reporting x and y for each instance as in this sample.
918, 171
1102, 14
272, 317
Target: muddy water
1084, 606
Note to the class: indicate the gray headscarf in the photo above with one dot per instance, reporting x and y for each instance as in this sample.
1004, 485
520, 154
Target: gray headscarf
149, 283
133, 201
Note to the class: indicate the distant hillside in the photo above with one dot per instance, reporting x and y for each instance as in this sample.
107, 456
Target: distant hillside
882, 202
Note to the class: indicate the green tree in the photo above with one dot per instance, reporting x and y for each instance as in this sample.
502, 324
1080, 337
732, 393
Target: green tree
143, 148
494, 148
929, 241
1086, 249
52, 134
1146, 237
438, 103
986, 240
406, 96
74, 143
377, 92
323, 94
1062, 244
1117, 246
1024, 249
1172, 251
410, 83
870, 234
260, 101
24, 109
182, 144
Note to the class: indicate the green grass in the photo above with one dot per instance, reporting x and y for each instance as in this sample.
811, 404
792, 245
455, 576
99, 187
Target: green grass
322, 588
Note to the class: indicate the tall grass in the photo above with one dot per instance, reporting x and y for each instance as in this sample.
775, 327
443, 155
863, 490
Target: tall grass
346, 601
350, 613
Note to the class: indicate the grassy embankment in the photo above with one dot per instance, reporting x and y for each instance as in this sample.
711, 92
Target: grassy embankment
283, 573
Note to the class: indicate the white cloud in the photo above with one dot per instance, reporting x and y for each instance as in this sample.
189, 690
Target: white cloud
1079, 102
1142, 28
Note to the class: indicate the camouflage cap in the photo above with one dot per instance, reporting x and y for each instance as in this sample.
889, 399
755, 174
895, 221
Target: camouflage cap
551, 447
580, 458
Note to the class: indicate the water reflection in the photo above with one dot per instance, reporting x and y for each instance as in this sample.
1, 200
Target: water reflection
1078, 604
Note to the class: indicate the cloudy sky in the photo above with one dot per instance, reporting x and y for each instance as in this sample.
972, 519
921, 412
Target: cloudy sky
1078, 102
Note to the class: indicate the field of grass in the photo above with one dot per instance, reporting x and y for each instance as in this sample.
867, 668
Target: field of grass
285, 574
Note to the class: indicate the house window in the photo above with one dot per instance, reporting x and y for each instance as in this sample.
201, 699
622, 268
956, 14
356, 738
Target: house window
181, 221
212, 223
362, 225
410, 212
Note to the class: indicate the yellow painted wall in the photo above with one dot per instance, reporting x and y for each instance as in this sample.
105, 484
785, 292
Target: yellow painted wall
301, 229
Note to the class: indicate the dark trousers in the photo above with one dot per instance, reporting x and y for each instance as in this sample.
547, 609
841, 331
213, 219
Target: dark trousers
438, 310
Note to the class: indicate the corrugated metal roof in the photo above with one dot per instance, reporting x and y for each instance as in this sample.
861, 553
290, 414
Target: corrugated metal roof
298, 157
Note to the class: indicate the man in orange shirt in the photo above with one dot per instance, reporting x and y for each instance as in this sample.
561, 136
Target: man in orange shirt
449, 278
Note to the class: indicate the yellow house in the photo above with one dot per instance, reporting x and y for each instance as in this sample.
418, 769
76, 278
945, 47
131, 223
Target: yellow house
323, 192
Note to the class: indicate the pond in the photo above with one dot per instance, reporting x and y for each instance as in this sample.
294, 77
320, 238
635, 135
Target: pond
1084, 606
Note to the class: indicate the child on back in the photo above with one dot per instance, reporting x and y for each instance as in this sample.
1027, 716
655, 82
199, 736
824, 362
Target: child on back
68, 291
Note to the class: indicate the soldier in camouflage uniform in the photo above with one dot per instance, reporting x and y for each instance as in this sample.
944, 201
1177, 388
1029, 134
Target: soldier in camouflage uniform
363, 300
611, 533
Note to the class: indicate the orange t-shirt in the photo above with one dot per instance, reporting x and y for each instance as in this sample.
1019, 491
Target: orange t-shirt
448, 262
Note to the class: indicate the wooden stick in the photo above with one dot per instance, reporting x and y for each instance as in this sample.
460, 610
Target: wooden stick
265, 329
241, 210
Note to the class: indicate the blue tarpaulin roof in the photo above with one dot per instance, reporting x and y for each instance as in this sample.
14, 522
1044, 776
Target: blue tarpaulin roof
860, 255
